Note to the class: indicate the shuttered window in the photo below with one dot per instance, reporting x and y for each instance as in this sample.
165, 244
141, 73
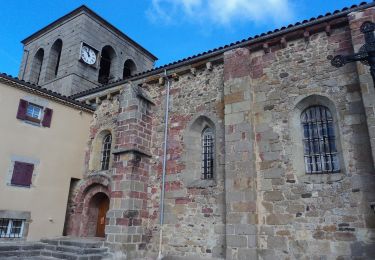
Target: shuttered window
22, 174
46, 122
22, 109
34, 113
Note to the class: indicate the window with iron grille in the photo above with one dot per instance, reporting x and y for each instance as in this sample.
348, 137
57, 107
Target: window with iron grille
207, 154
319, 141
106, 152
11, 228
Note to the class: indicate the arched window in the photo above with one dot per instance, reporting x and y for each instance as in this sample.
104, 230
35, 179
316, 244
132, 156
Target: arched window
106, 152
319, 140
106, 64
54, 60
129, 69
207, 153
36, 66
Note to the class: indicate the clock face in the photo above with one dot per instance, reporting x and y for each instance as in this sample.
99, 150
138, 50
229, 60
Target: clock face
88, 55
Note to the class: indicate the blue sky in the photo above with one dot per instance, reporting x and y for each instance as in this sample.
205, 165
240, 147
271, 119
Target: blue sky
170, 29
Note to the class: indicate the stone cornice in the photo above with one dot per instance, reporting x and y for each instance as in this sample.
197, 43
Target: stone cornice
131, 150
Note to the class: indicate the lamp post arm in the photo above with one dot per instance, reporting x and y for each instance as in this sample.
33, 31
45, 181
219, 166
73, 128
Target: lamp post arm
340, 60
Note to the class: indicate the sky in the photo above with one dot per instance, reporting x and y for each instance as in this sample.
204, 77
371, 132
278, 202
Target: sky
170, 29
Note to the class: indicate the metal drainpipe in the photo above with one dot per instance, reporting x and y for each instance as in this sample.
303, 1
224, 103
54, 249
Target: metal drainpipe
164, 164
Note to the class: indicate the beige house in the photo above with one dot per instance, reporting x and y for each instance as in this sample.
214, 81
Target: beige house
42, 148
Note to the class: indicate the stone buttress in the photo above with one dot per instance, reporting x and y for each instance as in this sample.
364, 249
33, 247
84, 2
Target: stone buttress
126, 230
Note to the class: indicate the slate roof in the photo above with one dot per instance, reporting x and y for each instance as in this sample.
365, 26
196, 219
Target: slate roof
84, 8
44, 92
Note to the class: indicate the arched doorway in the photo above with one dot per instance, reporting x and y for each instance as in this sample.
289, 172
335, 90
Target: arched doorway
85, 199
97, 211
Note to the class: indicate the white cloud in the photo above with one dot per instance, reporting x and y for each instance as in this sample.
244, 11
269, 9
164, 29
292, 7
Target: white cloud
222, 12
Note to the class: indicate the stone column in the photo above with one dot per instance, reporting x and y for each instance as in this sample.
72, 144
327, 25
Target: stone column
240, 175
366, 181
356, 19
126, 230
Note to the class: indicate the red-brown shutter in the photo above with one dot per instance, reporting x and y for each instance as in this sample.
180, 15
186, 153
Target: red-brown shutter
22, 109
22, 173
47, 117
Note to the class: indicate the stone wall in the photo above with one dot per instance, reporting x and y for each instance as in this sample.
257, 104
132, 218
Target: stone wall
261, 203
240, 174
127, 228
303, 215
95, 180
194, 208
104, 121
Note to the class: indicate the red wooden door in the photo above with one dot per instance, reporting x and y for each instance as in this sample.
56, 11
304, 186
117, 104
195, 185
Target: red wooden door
102, 211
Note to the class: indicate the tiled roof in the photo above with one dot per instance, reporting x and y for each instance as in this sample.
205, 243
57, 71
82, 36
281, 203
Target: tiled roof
251, 40
45, 92
84, 8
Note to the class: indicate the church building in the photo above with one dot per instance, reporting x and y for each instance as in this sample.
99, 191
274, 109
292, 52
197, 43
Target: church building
260, 149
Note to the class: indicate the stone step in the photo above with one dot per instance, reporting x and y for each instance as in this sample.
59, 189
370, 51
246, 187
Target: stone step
82, 243
172, 257
20, 246
29, 258
19, 253
73, 256
75, 249
81, 250
60, 248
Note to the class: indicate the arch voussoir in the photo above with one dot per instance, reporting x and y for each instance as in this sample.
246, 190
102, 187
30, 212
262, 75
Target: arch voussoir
77, 219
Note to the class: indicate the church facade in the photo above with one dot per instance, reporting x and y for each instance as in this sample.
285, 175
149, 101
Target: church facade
269, 148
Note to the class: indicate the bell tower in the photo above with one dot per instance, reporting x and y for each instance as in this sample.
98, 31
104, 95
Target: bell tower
81, 51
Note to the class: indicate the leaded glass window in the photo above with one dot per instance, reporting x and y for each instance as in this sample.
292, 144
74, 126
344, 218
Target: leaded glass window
207, 154
320, 151
106, 152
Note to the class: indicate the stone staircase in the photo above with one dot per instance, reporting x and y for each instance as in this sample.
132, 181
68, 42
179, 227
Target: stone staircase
57, 248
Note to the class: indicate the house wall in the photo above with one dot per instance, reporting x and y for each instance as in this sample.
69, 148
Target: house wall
58, 153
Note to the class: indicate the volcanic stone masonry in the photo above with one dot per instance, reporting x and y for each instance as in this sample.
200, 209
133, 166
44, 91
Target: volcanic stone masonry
260, 203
